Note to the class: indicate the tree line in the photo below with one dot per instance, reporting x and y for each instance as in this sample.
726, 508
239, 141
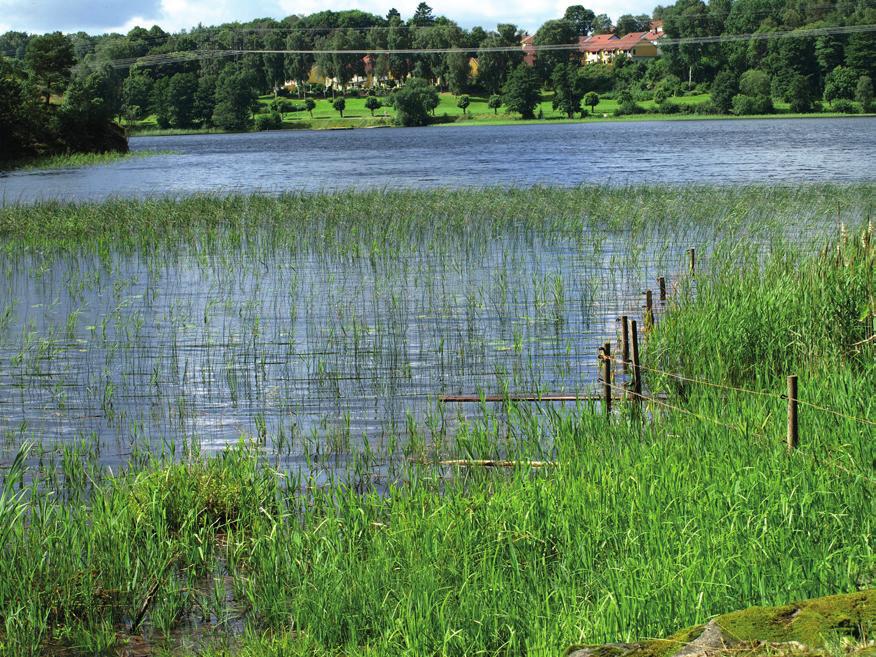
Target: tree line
61, 91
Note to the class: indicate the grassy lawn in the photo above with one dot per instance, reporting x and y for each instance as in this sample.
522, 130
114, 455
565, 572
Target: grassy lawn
356, 115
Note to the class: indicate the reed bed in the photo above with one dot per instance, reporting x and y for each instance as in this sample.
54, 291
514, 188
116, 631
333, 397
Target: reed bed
169, 537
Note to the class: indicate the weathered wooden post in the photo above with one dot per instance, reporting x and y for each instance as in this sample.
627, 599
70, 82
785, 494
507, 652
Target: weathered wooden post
637, 371
649, 310
692, 261
606, 377
793, 426
625, 341
661, 281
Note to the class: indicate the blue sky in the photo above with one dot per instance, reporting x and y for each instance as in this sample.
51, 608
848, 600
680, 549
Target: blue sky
97, 16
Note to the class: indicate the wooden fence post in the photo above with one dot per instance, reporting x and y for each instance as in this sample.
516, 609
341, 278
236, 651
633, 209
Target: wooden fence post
625, 341
661, 281
793, 426
606, 377
649, 310
637, 371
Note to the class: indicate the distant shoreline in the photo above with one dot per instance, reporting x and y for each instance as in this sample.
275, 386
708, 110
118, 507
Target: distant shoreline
636, 118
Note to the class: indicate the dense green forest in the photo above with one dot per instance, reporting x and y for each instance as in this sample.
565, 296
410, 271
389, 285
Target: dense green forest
61, 92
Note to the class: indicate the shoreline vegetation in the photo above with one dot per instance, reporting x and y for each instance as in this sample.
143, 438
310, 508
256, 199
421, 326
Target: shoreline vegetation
359, 123
356, 116
76, 160
652, 519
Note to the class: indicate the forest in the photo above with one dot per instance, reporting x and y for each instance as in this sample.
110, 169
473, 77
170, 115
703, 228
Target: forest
62, 92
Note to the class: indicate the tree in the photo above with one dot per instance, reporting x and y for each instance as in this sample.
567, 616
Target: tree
567, 89
494, 66
235, 100
629, 23
296, 66
49, 58
423, 16
554, 33
591, 99
456, 70
205, 98
580, 18
840, 83
754, 83
861, 48
137, 91
798, 93
340, 105
724, 87
339, 65
864, 92
463, 103
521, 92
495, 103
181, 92
85, 116
601, 24
414, 101
372, 103
309, 105
274, 62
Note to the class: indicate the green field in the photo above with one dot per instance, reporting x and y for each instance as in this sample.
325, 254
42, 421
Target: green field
632, 526
325, 117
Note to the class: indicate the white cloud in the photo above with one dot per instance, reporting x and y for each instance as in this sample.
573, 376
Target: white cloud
173, 15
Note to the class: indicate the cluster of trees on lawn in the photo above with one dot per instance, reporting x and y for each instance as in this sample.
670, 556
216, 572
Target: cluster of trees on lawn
743, 76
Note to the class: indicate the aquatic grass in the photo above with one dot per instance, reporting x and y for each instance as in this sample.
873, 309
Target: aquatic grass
76, 160
324, 536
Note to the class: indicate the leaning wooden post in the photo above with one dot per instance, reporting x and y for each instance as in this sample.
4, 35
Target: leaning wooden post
637, 371
661, 281
625, 341
606, 376
692, 261
793, 426
649, 310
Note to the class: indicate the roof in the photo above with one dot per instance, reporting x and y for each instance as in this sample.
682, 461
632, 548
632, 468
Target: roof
611, 42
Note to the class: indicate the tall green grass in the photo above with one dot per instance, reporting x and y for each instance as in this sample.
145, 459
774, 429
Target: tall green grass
647, 522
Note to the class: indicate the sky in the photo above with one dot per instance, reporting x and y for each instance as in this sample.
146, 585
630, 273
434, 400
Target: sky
99, 16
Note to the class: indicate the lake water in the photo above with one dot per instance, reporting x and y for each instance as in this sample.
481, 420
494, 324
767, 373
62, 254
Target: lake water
665, 152
315, 350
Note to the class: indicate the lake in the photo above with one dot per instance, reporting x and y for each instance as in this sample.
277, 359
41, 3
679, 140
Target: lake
660, 152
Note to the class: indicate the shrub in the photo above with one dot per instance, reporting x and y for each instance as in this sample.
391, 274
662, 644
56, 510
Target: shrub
272, 121
843, 105
745, 105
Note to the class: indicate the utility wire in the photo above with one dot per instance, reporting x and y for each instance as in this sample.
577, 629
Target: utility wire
194, 55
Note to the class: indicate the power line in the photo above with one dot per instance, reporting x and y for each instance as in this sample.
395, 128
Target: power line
195, 55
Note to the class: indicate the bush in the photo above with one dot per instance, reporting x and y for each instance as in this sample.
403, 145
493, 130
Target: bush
744, 105
668, 106
272, 121
843, 105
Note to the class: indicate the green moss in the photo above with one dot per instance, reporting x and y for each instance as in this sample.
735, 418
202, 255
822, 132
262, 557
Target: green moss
808, 622
813, 623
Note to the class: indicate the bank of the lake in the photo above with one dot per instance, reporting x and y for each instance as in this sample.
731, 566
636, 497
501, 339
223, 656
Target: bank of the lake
77, 160
359, 122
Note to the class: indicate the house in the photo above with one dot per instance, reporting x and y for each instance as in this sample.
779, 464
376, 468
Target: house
528, 49
603, 48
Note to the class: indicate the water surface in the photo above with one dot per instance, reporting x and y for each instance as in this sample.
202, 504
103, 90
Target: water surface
663, 152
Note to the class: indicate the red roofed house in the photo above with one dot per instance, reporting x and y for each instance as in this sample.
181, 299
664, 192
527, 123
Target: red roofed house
529, 49
602, 48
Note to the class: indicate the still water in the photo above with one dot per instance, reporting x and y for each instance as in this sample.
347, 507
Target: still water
667, 152
314, 351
